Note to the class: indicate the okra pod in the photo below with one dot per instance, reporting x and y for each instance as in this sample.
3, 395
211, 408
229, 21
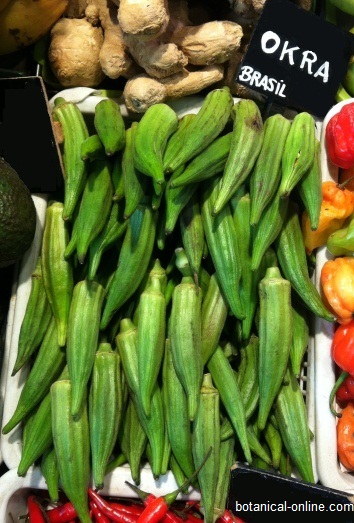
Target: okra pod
83, 332
57, 272
185, 335
150, 340
35, 321
72, 447
206, 435
291, 416
275, 333
105, 409
226, 382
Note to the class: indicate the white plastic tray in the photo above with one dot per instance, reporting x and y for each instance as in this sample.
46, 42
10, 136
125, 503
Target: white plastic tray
330, 472
14, 490
12, 385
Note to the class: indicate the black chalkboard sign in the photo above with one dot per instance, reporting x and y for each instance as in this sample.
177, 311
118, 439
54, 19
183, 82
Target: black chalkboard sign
27, 140
296, 58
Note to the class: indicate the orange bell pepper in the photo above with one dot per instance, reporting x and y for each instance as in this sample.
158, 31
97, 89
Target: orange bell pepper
337, 205
345, 436
337, 284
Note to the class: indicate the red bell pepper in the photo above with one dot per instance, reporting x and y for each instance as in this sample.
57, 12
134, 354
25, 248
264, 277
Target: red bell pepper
342, 347
340, 137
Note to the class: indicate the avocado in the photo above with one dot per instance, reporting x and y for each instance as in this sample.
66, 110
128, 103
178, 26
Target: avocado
17, 216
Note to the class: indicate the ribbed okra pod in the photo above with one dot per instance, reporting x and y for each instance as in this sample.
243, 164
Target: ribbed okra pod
248, 383
268, 228
36, 319
222, 244
174, 142
82, 341
209, 122
179, 427
290, 250
225, 381
133, 260
48, 364
291, 416
118, 178
105, 404
156, 126
246, 143
72, 446
175, 200
135, 182
92, 148
298, 152
110, 126
37, 431
49, 469
114, 229
248, 290
310, 188
185, 335
57, 272
301, 336
154, 425
150, 340
210, 162
275, 333
95, 206
214, 314
192, 234
132, 439
37, 435
75, 131
157, 272
266, 173
206, 435
227, 459
274, 441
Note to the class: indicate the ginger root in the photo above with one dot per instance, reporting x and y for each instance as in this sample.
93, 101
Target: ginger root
75, 9
209, 43
156, 58
114, 59
73, 53
143, 91
146, 20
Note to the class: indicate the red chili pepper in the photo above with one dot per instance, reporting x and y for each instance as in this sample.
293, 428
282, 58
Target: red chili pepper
36, 513
62, 514
342, 347
157, 509
229, 517
339, 137
133, 509
98, 514
109, 511
148, 498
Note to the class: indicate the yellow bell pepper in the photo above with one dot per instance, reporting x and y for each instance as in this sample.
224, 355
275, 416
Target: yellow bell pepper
337, 205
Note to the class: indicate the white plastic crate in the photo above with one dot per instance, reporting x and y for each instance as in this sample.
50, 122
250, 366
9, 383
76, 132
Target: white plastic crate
330, 472
10, 444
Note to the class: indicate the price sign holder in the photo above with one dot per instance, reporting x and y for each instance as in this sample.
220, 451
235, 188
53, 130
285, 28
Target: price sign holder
255, 494
295, 58
27, 140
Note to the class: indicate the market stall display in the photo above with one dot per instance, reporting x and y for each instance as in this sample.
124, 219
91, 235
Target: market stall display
165, 280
